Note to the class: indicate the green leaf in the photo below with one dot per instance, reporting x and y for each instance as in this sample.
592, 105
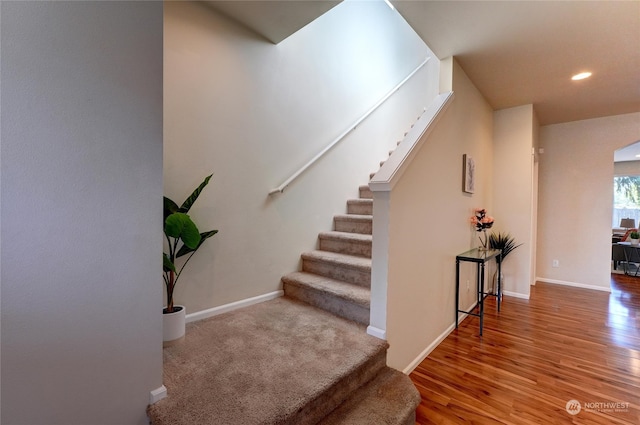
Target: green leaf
170, 207
179, 225
186, 205
184, 250
167, 265
503, 241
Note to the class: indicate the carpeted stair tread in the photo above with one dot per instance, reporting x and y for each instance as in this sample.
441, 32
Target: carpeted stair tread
346, 243
357, 237
348, 268
389, 399
354, 223
353, 293
365, 192
277, 362
355, 217
363, 201
360, 206
345, 260
343, 299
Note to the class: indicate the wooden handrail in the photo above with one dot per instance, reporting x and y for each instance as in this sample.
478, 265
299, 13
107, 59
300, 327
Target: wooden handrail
304, 168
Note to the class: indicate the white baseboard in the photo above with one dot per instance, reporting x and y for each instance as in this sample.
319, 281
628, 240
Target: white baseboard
516, 295
574, 284
423, 355
203, 314
157, 394
377, 332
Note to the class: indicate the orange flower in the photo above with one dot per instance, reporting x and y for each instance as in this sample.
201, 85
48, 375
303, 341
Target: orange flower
481, 220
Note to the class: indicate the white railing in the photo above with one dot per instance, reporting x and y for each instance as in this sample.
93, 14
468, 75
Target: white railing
304, 168
397, 163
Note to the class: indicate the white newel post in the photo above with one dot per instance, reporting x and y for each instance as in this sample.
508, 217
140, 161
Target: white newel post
379, 265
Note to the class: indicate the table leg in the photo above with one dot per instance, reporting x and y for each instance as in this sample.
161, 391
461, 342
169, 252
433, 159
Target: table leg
481, 297
457, 290
499, 295
626, 263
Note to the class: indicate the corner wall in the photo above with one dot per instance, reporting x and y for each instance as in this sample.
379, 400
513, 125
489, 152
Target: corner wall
429, 225
252, 113
576, 198
81, 187
514, 196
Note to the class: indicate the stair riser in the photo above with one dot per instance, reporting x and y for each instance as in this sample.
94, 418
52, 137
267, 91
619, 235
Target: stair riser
365, 193
312, 413
396, 393
411, 419
337, 271
360, 208
361, 249
362, 227
329, 302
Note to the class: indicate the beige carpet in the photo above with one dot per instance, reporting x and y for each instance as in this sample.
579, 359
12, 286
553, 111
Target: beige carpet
278, 362
286, 362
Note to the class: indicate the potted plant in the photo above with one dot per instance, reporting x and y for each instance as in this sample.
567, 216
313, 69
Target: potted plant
635, 237
504, 242
183, 239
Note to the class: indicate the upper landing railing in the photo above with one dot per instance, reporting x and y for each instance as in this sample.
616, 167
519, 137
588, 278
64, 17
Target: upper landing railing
398, 162
304, 168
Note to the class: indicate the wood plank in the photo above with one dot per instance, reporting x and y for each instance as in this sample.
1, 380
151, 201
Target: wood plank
562, 344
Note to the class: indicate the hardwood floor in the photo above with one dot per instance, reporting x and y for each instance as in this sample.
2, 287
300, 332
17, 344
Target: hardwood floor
535, 356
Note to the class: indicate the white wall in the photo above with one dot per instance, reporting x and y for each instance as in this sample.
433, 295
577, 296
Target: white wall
81, 194
429, 225
252, 113
576, 197
514, 192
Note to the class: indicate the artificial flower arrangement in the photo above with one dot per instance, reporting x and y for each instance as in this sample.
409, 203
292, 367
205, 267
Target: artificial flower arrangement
482, 221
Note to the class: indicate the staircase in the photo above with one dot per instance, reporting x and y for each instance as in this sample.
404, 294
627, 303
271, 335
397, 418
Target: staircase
337, 276
304, 359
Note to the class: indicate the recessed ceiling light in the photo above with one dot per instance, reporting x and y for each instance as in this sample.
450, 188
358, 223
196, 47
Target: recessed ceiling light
581, 76
638, 156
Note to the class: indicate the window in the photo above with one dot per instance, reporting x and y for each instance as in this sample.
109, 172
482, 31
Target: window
626, 199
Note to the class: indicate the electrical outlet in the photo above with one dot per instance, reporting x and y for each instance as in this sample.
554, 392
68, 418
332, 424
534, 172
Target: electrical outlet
555, 263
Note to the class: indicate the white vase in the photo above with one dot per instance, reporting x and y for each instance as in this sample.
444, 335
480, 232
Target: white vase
173, 327
634, 241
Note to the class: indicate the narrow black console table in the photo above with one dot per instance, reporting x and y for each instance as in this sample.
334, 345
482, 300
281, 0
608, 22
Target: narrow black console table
480, 257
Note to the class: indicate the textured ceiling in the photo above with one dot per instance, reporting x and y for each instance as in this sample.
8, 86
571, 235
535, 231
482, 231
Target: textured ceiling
523, 52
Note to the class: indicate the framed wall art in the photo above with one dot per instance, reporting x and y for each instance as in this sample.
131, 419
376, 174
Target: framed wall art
468, 174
